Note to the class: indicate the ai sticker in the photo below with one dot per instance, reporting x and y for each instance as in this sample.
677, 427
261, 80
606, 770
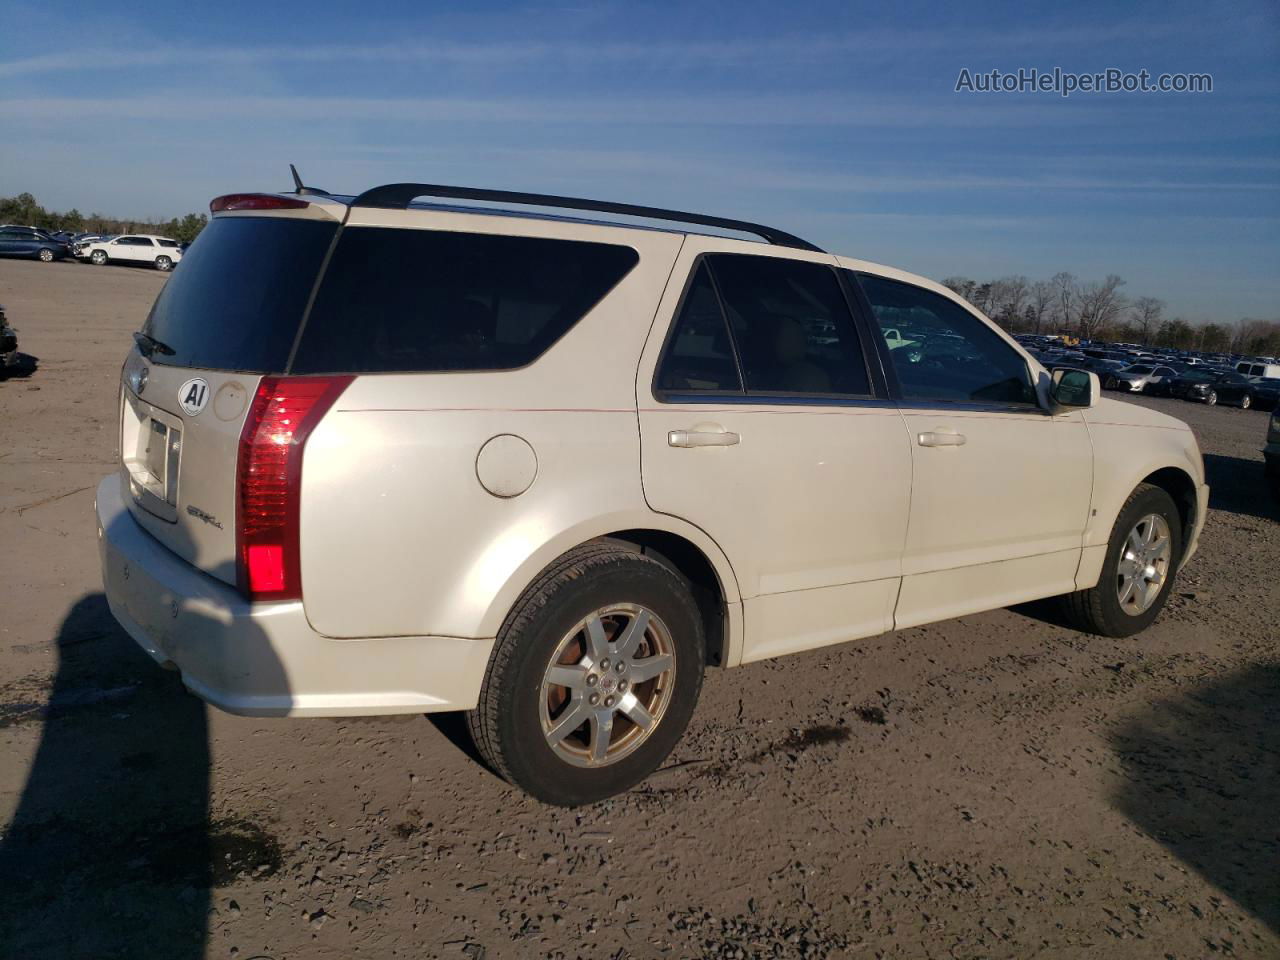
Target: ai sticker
193, 395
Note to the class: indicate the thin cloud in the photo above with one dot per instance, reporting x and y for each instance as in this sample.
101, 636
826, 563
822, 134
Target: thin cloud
870, 44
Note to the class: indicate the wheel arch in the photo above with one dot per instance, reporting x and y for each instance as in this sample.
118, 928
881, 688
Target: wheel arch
1181, 486
682, 547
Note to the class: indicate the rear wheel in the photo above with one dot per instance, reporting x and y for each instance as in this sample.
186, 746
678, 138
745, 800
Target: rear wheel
1246, 402
593, 678
98, 257
164, 264
45, 254
1138, 571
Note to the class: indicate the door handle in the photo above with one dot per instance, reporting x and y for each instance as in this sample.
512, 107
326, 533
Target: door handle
702, 438
942, 438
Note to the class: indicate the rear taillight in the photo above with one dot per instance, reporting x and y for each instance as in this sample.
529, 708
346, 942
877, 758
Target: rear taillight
254, 201
269, 481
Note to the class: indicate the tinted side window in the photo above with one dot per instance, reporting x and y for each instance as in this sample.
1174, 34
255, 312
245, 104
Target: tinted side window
791, 325
944, 352
426, 300
699, 355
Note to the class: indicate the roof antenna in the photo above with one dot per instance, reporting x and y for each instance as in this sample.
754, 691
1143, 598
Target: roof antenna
300, 190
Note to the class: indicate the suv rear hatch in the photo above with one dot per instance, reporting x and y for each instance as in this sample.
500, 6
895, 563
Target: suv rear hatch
228, 316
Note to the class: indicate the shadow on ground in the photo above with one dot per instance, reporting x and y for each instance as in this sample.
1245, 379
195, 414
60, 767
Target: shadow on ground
1237, 485
110, 852
20, 366
1202, 776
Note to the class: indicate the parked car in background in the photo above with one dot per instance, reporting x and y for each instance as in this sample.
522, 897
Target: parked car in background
1213, 386
8, 341
32, 244
748, 471
1254, 368
1266, 393
162, 253
1137, 378
1271, 454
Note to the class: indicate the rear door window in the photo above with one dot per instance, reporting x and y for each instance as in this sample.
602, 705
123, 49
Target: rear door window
426, 300
791, 325
699, 355
781, 325
238, 300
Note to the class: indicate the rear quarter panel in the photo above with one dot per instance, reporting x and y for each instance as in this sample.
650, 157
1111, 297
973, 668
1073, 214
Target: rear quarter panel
398, 537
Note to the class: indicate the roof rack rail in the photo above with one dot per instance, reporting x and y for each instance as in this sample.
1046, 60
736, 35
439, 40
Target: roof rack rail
397, 196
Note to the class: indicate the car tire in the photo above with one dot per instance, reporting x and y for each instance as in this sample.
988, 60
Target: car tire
1104, 609
1212, 398
523, 725
98, 257
1110, 384
164, 264
1246, 402
45, 255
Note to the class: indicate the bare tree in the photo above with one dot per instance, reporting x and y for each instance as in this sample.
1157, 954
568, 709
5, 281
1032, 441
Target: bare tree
1066, 299
1101, 305
962, 286
1146, 317
1039, 299
1008, 294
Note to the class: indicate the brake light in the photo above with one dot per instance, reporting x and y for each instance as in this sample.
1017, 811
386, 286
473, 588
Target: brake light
254, 201
269, 481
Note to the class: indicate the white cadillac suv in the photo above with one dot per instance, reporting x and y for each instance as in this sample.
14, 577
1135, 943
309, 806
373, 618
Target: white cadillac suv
380, 455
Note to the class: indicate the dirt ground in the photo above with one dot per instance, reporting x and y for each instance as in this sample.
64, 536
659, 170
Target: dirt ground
995, 786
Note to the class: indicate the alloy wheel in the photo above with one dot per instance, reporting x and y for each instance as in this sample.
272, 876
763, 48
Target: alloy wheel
1144, 564
608, 685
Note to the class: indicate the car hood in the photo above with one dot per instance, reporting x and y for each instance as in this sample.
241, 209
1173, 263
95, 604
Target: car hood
1107, 410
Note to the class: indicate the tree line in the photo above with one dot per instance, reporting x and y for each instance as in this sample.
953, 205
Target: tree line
1099, 310
25, 211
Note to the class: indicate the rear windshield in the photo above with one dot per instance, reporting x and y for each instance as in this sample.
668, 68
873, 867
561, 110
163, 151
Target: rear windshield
235, 301
395, 300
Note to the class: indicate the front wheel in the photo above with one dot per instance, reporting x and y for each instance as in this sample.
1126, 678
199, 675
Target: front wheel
1246, 402
164, 264
98, 257
1138, 571
593, 677
45, 255
1212, 398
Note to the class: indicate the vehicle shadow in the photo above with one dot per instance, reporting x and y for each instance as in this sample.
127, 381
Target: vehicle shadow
1202, 776
20, 366
1236, 485
108, 852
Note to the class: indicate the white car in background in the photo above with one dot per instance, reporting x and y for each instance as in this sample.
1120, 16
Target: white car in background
163, 253
1138, 377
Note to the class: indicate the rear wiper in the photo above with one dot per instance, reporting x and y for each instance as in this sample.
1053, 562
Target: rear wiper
149, 345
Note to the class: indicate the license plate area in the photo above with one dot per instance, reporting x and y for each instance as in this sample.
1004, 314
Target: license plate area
151, 448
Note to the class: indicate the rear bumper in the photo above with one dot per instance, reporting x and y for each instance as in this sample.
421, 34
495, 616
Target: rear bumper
265, 659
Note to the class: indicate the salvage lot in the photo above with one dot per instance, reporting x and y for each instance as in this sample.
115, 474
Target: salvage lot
996, 786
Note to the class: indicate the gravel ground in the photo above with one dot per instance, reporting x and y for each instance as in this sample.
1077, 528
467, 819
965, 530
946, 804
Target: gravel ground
995, 786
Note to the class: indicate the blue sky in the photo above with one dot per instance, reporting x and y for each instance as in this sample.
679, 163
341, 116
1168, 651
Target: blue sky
836, 121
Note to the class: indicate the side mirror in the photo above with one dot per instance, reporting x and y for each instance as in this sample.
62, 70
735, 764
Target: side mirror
1074, 388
